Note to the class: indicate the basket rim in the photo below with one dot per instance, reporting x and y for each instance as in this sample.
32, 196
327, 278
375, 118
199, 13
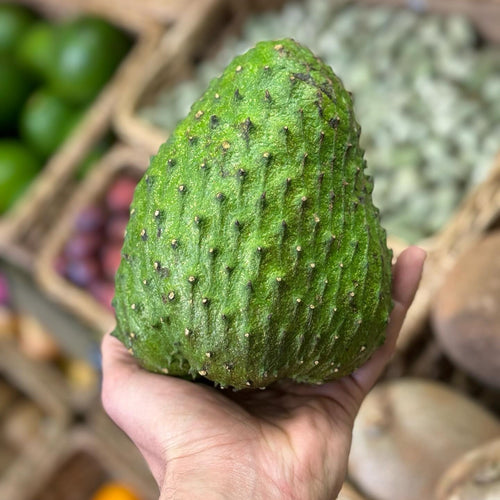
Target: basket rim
72, 297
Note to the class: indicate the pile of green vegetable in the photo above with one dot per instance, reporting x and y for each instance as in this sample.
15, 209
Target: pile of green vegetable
425, 90
49, 74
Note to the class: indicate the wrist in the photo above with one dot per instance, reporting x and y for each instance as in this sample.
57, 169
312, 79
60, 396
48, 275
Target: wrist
183, 488
194, 482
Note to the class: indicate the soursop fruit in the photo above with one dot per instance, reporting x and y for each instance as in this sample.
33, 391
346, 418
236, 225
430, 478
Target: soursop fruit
253, 251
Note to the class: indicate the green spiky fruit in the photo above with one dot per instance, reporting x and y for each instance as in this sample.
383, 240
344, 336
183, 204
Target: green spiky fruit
254, 252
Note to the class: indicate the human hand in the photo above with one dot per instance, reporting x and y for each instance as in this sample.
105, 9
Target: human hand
290, 441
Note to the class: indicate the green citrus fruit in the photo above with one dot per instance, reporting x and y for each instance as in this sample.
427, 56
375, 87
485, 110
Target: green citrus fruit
46, 121
88, 52
14, 21
15, 87
36, 49
18, 167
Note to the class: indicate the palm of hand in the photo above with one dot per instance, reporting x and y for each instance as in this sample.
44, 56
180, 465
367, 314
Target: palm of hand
289, 441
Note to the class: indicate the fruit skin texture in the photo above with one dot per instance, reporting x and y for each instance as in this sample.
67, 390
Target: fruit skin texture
253, 251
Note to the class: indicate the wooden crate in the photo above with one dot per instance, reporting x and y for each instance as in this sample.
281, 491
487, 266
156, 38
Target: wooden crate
120, 159
24, 227
75, 465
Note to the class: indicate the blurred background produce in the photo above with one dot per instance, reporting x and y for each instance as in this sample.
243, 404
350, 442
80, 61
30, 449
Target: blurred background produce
92, 254
50, 72
412, 430
465, 314
425, 92
426, 85
474, 476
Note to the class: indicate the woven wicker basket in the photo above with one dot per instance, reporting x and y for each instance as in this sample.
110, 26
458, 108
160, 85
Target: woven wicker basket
119, 160
74, 465
23, 228
31, 385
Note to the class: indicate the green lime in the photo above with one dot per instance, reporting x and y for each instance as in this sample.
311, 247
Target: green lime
36, 49
46, 121
88, 52
15, 87
14, 21
18, 167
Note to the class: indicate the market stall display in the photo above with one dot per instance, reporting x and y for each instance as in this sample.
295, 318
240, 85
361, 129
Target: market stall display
425, 83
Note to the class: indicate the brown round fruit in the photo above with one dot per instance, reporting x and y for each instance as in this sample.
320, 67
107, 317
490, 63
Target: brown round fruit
474, 476
408, 431
466, 312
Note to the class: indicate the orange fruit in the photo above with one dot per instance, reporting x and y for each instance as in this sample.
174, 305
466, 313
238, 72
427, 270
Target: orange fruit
114, 491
